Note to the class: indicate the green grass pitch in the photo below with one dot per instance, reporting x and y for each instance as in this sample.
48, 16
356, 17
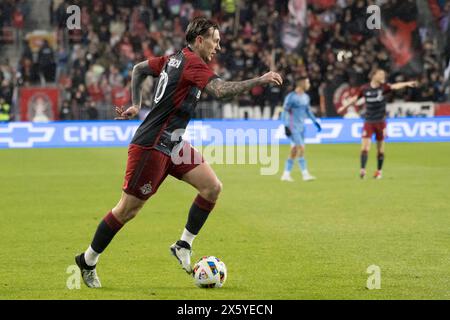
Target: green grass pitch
279, 240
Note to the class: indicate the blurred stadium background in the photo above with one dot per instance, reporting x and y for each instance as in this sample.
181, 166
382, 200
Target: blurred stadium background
48, 72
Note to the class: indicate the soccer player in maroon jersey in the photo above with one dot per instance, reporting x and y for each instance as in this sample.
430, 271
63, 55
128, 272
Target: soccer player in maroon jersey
157, 142
375, 115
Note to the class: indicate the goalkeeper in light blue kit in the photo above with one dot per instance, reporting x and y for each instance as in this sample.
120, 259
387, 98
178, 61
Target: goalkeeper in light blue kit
296, 109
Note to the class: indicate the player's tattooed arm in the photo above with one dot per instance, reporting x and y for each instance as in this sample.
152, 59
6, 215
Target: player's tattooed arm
138, 76
140, 72
220, 89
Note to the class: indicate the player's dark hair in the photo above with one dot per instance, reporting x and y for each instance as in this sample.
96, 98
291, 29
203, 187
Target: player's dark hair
199, 27
300, 80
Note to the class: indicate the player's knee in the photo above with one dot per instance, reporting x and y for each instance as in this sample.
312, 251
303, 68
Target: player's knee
293, 153
125, 213
216, 189
212, 192
301, 151
130, 214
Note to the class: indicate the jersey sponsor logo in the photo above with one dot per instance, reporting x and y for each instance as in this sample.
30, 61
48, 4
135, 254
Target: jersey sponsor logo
25, 135
374, 96
146, 188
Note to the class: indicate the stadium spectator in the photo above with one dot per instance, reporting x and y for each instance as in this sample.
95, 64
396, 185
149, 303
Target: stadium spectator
92, 111
5, 110
28, 72
7, 77
65, 113
46, 62
80, 95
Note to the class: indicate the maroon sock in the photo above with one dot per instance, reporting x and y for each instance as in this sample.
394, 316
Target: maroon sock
106, 230
380, 159
198, 214
363, 159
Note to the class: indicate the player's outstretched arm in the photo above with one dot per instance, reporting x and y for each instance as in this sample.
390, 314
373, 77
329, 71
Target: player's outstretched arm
140, 72
401, 85
220, 89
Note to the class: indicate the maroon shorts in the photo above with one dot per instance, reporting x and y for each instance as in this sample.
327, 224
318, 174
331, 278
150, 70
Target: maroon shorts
374, 127
147, 168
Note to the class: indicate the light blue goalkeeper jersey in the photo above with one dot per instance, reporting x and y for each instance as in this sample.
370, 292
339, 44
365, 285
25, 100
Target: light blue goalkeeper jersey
295, 110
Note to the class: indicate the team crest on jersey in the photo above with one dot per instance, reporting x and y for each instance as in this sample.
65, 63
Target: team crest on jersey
146, 188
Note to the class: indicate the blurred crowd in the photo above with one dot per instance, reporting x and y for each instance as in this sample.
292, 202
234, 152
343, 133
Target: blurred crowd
12, 16
94, 68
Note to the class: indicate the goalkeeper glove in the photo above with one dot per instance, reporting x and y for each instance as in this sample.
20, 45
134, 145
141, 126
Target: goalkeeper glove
318, 126
287, 131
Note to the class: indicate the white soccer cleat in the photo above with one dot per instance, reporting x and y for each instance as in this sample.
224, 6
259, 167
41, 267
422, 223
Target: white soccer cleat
308, 177
183, 254
362, 173
287, 177
378, 174
91, 278
89, 274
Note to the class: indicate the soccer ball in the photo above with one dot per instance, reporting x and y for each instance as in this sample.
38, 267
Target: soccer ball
210, 272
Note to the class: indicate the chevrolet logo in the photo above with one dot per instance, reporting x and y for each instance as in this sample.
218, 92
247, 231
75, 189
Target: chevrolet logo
24, 134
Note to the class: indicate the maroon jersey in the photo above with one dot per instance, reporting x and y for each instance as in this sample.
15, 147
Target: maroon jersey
375, 102
181, 78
